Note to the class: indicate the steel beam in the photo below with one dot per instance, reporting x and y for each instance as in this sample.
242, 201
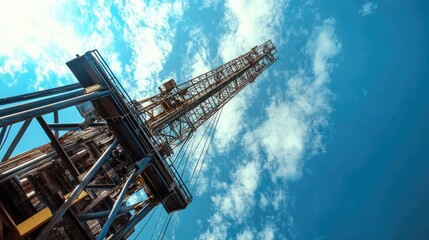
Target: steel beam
16, 139
101, 214
139, 167
100, 198
3, 131
43, 93
83, 229
40, 102
100, 186
56, 119
59, 149
136, 218
73, 126
78, 189
26, 113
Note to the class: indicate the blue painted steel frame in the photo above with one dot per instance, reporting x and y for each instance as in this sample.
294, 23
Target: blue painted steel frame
139, 167
77, 191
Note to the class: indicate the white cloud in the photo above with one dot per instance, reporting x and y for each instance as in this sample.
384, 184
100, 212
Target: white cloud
149, 33
267, 233
209, 4
13, 64
273, 197
231, 121
368, 8
239, 198
219, 229
280, 144
236, 202
278, 199
296, 114
198, 49
250, 23
247, 24
246, 234
30, 33
263, 202
48, 33
40, 37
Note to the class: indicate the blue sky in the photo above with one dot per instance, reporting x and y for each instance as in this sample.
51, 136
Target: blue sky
329, 143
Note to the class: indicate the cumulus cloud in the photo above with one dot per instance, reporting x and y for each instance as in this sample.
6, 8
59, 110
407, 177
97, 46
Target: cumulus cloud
246, 234
231, 122
197, 48
40, 37
296, 114
247, 24
267, 233
209, 4
149, 32
368, 8
239, 198
219, 229
279, 145
263, 201
236, 202
29, 34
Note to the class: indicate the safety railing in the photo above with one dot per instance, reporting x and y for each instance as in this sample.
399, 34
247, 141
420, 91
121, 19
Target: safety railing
142, 126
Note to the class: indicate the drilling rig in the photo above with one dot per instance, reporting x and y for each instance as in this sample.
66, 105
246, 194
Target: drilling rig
76, 186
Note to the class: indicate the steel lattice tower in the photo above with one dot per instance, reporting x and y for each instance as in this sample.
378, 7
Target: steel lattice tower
75, 187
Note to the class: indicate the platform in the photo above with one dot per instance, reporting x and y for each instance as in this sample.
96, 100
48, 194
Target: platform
130, 129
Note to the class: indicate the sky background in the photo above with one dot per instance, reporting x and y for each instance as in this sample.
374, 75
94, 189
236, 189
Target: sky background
329, 143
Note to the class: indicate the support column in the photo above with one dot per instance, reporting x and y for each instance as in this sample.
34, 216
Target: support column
75, 193
60, 150
140, 166
136, 218
16, 140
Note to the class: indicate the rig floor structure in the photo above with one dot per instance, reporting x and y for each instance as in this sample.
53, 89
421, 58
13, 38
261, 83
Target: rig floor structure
76, 186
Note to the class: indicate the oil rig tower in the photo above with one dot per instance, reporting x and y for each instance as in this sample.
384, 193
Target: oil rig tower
76, 186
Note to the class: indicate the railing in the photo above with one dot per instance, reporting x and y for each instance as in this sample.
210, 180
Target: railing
142, 126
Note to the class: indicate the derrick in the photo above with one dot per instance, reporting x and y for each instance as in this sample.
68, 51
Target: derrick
76, 186
179, 109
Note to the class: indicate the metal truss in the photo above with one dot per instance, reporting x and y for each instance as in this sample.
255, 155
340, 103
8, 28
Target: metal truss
178, 110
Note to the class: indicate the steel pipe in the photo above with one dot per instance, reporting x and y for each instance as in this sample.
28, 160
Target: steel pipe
53, 106
136, 218
39, 94
140, 166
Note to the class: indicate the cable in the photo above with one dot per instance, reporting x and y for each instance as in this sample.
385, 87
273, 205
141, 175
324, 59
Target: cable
199, 171
199, 142
156, 226
186, 152
185, 149
204, 150
181, 148
210, 127
141, 230
164, 228
174, 226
